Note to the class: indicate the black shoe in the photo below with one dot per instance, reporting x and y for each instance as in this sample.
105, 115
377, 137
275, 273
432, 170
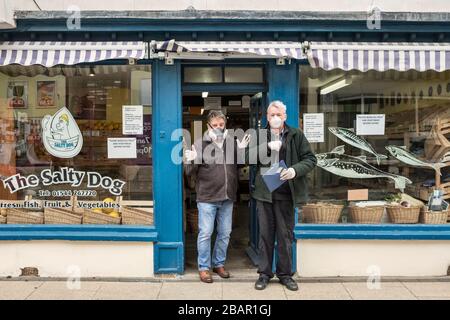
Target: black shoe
261, 283
289, 283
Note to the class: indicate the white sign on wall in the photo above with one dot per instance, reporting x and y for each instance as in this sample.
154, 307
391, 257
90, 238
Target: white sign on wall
211, 103
370, 124
122, 148
313, 127
132, 120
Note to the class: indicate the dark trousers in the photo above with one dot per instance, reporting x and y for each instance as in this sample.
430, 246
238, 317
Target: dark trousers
275, 219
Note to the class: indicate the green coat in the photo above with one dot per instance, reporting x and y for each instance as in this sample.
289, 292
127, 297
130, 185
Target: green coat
298, 156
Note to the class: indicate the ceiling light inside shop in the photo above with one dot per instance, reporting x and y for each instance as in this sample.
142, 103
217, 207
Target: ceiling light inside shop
91, 72
204, 94
335, 85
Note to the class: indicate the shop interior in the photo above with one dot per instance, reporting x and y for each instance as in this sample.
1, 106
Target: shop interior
94, 96
237, 117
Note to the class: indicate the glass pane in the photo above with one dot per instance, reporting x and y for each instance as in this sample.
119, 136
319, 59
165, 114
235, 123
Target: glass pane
202, 74
408, 152
62, 135
244, 74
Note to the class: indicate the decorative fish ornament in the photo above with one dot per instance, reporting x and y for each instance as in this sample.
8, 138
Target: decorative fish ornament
348, 136
402, 154
347, 166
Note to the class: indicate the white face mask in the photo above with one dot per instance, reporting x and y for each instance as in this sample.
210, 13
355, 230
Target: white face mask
275, 122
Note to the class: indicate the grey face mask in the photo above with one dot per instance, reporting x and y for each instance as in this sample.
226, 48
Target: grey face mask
217, 134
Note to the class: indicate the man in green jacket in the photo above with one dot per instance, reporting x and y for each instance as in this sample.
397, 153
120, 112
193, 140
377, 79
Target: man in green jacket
276, 209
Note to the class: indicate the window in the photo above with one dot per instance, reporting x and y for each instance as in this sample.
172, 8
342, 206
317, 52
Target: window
393, 125
202, 74
83, 152
244, 74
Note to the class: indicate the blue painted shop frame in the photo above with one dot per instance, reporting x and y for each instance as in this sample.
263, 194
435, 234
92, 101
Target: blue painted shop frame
167, 233
283, 85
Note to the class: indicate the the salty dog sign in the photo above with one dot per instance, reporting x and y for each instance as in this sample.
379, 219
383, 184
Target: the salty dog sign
62, 138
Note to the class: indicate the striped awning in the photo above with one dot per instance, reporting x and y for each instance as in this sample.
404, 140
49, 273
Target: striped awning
276, 49
49, 54
379, 56
69, 71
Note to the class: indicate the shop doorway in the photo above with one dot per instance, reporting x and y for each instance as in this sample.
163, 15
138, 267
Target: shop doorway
243, 110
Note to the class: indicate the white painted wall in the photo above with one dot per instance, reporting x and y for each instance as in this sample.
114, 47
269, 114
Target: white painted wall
336, 258
6, 15
95, 259
276, 5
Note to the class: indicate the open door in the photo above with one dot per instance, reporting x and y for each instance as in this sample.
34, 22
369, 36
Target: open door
257, 120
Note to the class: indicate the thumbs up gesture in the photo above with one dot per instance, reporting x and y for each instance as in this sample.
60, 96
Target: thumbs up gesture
190, 154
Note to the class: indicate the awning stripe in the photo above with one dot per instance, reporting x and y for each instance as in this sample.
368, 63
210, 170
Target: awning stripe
69, 53
278, 49
379, 56
32, 71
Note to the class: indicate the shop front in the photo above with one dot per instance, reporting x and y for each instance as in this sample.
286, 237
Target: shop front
89, 130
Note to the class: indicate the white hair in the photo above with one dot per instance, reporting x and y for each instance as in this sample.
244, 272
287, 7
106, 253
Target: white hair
277, 104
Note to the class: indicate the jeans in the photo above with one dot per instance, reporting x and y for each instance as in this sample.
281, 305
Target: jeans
222, 212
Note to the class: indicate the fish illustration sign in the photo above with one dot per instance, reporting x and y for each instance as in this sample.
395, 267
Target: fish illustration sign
347, 166
61, 136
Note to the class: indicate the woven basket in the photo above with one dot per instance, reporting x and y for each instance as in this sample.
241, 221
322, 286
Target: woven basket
20, 216
433, 217
192, 220
136, 216
61, 216
2, 220
322, 213
92, 217
366, 215
400, 214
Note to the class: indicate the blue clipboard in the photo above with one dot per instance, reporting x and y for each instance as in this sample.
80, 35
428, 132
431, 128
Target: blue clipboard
272, 176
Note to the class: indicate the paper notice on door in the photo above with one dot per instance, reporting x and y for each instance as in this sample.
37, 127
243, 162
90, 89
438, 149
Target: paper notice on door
122, 148
313, 127
132, 120
370, 124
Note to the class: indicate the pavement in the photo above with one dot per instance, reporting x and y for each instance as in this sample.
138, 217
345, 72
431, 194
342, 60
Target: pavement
189, 288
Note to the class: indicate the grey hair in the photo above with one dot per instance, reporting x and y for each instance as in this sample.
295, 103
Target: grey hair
277, 104
215, 114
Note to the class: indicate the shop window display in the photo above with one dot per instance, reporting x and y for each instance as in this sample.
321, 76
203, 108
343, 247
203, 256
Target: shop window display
75, 144
383, 144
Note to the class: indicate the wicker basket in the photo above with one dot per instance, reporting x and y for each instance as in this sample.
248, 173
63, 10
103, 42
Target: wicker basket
136, 216
366, 215
400, 214
433, 217
61, 216
322, 213
20, 216
92, 217
192, 220
2, 220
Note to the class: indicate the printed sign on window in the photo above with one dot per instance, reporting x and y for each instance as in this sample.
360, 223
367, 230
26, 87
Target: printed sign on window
122, 148
133, 120
370, 124
313, 127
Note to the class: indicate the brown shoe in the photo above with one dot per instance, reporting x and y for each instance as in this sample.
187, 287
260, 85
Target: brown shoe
222, 272
205, 276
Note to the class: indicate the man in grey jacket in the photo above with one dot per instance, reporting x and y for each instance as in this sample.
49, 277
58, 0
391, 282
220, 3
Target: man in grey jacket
216, 186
